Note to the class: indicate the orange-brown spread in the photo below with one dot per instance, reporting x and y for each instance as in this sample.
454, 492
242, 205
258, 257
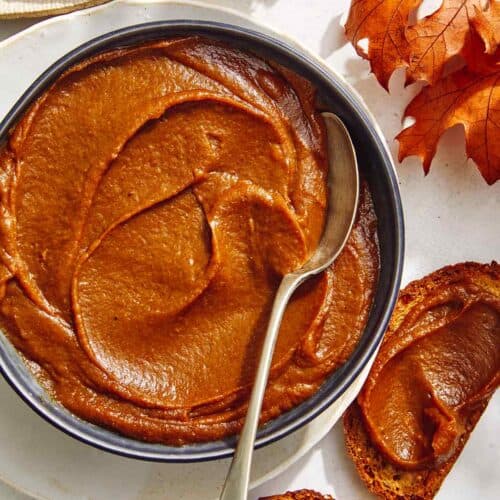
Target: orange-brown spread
151, 200
438, 366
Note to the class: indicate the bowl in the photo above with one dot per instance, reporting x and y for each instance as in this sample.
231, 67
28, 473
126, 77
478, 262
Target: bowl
377, 168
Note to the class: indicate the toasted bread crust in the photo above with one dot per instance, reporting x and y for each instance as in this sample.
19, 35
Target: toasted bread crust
380, 476
485, 275
299, 495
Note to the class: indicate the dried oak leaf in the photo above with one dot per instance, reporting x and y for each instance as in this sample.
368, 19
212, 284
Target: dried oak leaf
487, 25
437, 38
469, 97
423, 48
383, 24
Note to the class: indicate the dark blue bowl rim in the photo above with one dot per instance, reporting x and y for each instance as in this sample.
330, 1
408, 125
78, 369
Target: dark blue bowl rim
109, 441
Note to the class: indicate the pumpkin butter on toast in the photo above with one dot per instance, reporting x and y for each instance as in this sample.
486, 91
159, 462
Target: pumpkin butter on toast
437, 368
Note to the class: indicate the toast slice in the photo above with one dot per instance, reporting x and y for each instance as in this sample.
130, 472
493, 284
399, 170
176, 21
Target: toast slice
299, 495
382, 477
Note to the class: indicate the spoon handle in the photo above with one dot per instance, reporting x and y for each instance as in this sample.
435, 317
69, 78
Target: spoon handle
238, 478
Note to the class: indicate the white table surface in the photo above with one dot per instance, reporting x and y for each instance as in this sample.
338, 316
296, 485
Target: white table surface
450, 217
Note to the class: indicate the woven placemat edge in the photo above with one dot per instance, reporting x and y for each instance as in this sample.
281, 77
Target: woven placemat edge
52, 12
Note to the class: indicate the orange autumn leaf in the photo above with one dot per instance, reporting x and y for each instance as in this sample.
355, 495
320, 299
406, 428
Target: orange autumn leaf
382, 23
425, 47
437, 38
487, 24
469, 97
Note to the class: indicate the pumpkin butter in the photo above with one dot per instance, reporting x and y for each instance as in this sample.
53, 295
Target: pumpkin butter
152, 198
437, 368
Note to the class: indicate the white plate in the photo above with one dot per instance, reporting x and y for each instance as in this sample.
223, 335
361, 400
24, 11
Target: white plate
35, 457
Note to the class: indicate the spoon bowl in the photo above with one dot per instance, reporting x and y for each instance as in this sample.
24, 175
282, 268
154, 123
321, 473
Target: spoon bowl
343, 193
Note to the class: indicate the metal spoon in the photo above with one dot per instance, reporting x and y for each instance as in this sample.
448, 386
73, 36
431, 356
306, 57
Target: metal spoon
343, 183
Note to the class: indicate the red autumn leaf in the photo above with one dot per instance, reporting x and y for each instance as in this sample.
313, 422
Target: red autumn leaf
469, 97
383, 23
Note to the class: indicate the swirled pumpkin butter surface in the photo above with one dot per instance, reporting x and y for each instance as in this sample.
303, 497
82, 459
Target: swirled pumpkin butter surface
152, 199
